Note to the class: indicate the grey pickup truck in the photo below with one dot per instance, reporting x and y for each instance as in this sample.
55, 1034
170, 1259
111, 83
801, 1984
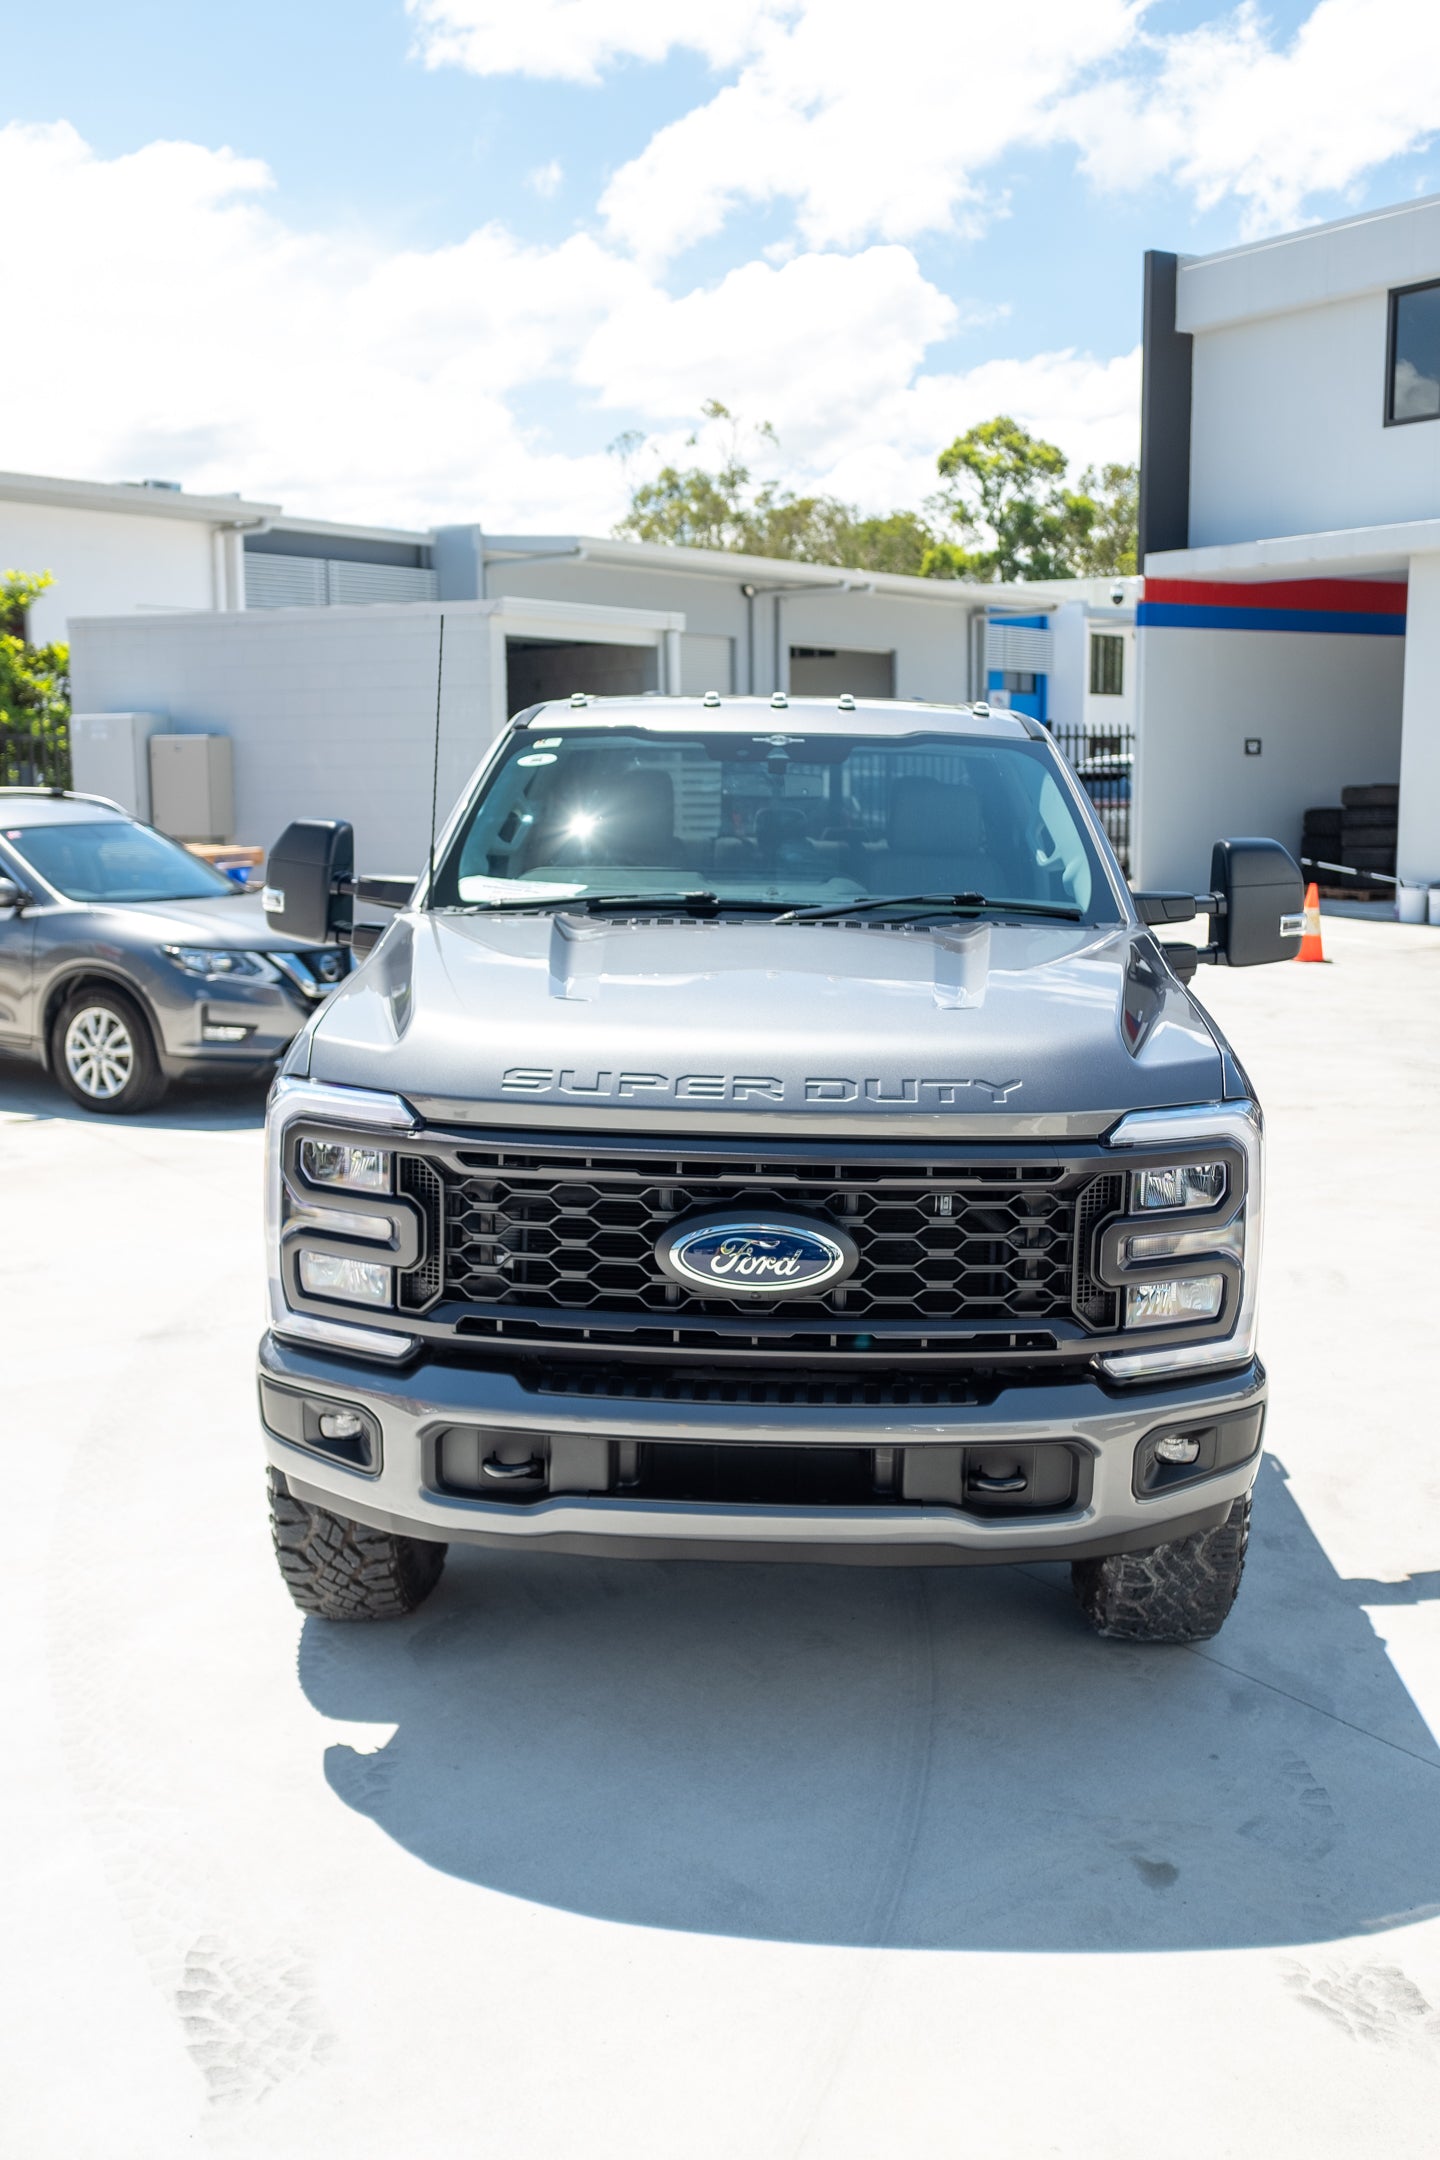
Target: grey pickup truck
771, 1130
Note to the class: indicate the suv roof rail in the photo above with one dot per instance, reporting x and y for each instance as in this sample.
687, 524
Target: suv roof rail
65, 794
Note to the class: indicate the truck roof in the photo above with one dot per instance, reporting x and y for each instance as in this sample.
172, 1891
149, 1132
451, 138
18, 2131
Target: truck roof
714, 713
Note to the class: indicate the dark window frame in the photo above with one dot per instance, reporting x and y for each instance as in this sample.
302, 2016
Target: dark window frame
1099, 662
1397, 294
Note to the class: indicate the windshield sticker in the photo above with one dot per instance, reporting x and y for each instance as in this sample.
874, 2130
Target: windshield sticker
502, 888
537, 757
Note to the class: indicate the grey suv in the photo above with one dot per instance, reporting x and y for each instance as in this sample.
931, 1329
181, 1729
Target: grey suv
772, 1131
125, 962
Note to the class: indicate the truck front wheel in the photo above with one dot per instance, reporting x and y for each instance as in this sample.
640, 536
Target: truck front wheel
1176, 1593
343, 1570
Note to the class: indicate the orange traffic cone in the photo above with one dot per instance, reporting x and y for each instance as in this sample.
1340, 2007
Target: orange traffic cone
1310, 945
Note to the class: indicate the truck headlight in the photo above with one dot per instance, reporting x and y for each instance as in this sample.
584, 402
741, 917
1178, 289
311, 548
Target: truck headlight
356, 1168
1179, 1185
345, 1255
358, 1282
1180, 1297
1163, 1273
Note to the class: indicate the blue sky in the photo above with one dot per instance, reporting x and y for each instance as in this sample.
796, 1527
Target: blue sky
428, 261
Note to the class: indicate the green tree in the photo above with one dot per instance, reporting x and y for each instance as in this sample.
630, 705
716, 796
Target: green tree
701, 506
1007, 487
34, 689
1003, 511
1111, 546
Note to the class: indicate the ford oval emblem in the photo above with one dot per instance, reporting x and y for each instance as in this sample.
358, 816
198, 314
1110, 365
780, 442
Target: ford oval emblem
769, 1256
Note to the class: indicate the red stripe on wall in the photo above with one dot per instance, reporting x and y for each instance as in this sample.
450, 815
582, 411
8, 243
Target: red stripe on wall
1349, 596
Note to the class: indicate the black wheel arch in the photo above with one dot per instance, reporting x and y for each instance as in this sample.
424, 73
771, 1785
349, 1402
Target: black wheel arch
92, 975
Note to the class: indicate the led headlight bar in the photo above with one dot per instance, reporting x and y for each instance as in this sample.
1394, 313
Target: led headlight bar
1163, 1273
336, 1255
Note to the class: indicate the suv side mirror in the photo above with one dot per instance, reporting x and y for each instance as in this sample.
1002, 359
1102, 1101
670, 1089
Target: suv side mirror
11, 894
309, 881
1261, 893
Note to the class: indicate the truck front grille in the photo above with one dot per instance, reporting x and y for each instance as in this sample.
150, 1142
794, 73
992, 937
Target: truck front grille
569, 1231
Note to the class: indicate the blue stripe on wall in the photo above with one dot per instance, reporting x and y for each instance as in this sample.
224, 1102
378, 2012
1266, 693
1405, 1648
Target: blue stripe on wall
1020, 622
1168, 615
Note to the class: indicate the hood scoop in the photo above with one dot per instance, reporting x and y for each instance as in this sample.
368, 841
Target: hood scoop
585, 953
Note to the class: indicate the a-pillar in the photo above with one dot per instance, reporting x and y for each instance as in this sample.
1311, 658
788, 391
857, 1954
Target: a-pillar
1418, 850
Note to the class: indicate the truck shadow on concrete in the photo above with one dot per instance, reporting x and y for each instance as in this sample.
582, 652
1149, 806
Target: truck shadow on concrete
27, 1091
928, 1759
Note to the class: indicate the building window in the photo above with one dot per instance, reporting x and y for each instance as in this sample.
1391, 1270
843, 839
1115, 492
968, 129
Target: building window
1412, 374
1107, 665
1018, 680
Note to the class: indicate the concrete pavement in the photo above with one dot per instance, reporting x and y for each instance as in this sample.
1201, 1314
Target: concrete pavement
647, 1859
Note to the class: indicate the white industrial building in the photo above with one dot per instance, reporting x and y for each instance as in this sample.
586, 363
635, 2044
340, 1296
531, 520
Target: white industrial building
1289, 628
314, 647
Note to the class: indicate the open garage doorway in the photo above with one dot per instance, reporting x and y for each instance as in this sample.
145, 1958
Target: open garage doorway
829, 671
541, 668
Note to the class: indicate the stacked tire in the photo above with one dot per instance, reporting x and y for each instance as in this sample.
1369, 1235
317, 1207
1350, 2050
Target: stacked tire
1367, 831
1322, 837
1358, 832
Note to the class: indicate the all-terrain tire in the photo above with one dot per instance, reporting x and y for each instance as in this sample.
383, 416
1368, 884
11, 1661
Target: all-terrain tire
1176, 1593
343, 1570
103, 1053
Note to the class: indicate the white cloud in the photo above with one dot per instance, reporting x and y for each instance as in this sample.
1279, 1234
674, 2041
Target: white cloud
191, 332
547, 179
869, 130
891, 127
574, 40
1228, 114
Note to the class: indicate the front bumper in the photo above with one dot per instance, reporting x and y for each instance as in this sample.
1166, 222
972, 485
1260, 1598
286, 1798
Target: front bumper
1104, 1430
230, 1023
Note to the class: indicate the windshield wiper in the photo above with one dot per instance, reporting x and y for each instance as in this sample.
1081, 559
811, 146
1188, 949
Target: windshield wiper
963, 903
688, 903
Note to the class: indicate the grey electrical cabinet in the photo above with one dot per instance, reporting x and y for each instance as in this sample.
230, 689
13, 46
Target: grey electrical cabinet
110, 756
192, 786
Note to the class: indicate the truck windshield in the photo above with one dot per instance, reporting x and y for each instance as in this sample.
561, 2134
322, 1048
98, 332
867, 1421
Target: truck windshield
794, 820
112, 859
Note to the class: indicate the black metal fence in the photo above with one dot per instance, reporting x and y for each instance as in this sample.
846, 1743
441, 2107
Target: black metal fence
1103, 760
34, 760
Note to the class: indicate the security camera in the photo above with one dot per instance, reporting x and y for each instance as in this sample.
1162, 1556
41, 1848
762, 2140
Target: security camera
1117, 596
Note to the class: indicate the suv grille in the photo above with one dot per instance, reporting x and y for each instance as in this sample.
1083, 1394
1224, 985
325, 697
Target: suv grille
573, 1231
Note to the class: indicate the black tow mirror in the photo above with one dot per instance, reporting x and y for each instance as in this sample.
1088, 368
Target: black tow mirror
310, 881
1259, 894
1166, 907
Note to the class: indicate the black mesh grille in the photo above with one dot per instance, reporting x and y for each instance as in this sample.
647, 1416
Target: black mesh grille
423, 1184
1102, 1198
839, 1391
577, 1233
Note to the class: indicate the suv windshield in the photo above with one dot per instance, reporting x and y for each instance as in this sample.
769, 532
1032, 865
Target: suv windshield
797, 820
112, 859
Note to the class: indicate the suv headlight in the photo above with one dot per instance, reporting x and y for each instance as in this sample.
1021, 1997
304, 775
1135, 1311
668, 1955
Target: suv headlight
337, 1233
1202, 1273
214, 962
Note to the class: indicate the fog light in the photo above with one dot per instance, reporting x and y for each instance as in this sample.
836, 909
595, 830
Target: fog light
348, 1425
1186, 1297
1174, 1448
214, 1031
1185, 1185
336, 1162
359, 1282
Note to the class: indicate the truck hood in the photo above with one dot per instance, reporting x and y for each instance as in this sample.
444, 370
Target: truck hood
1044, 1028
